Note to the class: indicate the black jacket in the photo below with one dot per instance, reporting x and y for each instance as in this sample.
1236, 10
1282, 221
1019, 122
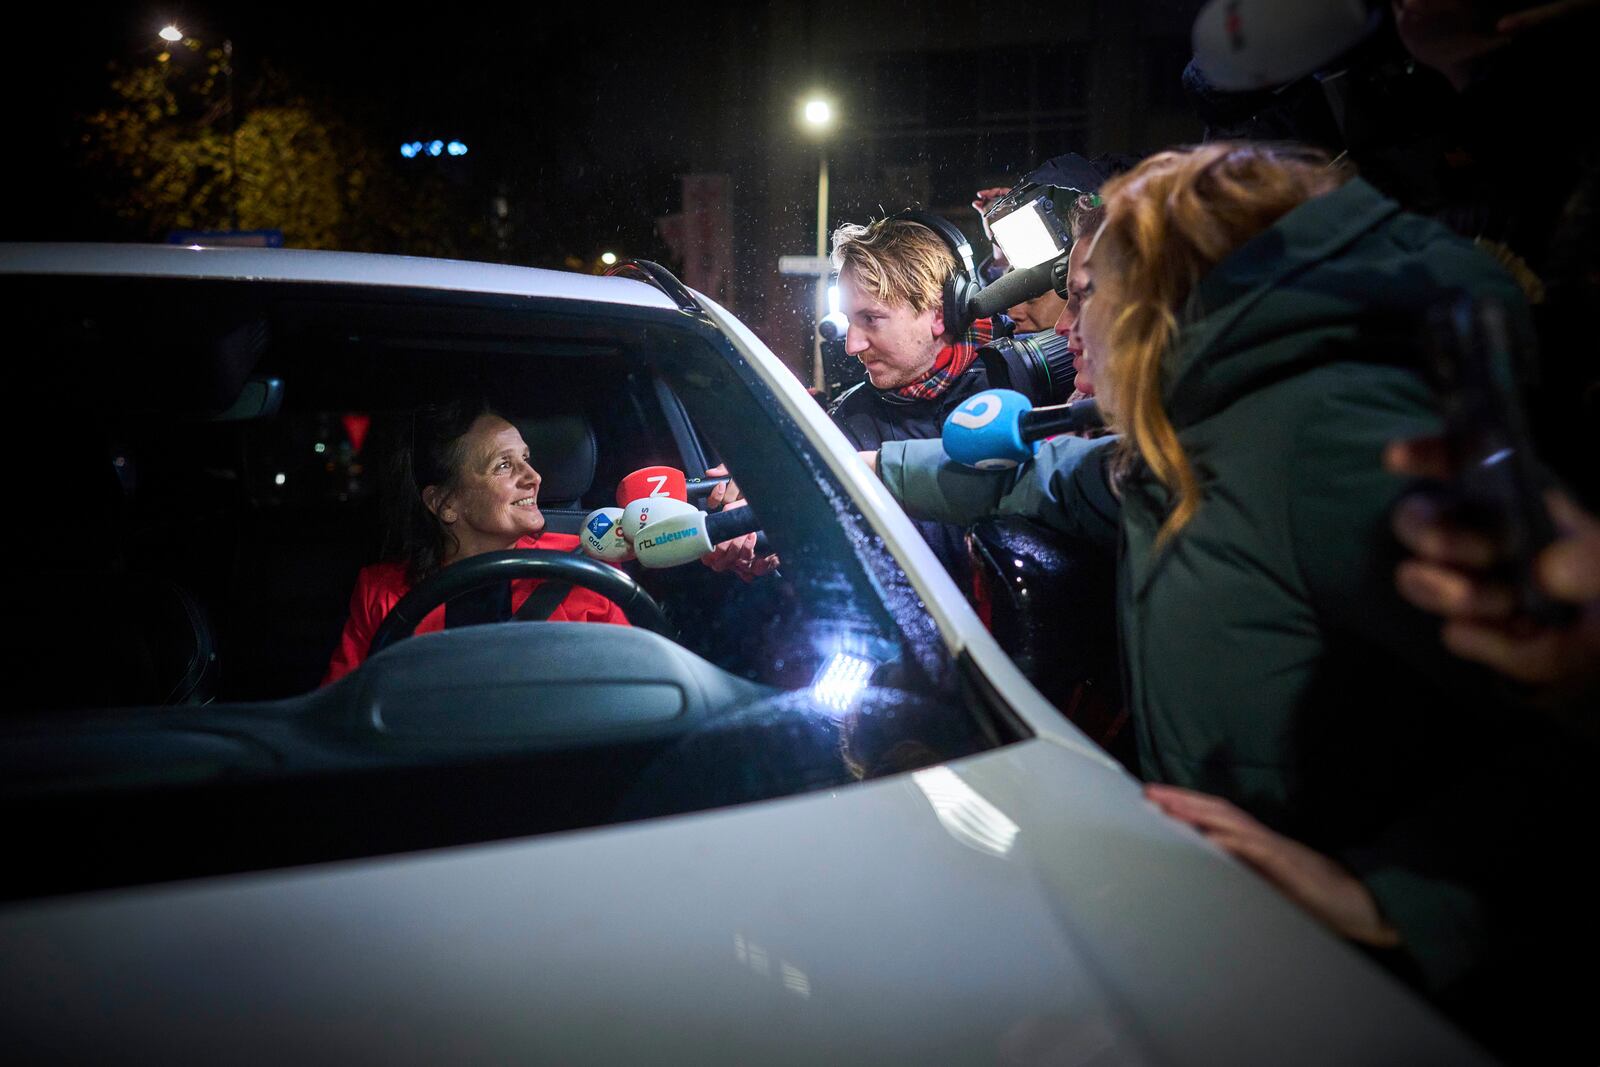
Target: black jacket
869, 417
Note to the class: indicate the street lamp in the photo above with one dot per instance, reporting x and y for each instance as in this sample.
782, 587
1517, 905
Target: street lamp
817, 116
172, 35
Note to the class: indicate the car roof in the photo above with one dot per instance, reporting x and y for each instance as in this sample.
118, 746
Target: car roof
304, 265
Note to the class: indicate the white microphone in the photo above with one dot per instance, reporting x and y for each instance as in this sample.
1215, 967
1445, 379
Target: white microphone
1242, 45
601, 536
677, 539
647, 509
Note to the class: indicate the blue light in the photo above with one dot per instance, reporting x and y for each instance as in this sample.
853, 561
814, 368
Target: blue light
410, 150
435, 147
456, 148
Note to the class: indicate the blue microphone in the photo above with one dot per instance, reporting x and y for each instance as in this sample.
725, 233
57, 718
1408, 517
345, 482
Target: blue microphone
999, 428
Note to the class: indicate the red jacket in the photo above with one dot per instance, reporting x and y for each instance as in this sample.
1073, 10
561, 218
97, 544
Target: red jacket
380, 587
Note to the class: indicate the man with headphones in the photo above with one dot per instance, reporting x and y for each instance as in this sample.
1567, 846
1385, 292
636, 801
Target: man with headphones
904, 283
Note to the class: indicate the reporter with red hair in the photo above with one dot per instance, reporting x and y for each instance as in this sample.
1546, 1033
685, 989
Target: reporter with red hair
1251, 335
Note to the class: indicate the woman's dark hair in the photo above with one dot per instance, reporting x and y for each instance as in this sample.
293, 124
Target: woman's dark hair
428, 452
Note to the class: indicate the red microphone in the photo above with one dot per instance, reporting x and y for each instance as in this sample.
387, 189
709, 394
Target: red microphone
652, 482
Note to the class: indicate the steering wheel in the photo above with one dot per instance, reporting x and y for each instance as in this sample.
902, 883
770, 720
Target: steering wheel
490, 568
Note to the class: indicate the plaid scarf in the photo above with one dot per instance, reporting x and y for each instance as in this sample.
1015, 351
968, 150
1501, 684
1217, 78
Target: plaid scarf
951, 363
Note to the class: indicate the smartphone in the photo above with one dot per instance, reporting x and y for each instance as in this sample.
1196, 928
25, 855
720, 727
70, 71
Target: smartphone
1499, 483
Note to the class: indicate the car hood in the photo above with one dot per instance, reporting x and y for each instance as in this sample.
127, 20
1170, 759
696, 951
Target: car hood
1018, 906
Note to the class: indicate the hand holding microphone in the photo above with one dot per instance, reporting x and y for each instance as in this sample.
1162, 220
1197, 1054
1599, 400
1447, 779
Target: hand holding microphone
652, 495
741, 555
681, 537
1000, 428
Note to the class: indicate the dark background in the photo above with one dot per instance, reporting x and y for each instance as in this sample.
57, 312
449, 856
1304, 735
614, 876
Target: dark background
582, 120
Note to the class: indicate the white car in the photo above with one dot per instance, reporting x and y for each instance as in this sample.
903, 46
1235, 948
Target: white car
815, 818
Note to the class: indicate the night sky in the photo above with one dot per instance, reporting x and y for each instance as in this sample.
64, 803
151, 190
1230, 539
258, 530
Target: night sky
591, 112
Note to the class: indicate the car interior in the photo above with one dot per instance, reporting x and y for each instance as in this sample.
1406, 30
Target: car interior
206, 469
235, 534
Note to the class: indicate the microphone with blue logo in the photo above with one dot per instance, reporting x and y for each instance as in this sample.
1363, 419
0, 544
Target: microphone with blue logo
1000, 428
601, 536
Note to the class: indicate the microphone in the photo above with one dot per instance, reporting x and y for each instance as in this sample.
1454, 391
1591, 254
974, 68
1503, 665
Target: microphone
1014, 287
642, 512
673, 540
652, 482
999, 428
601, 536
700, 488
1241, 45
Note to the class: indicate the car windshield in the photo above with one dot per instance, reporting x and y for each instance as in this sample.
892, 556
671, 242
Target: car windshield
206, 481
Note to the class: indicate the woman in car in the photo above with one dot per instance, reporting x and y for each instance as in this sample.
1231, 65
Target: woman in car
1251, 333
461, 485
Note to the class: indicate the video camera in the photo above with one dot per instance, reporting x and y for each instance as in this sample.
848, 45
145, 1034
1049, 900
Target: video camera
1031, 224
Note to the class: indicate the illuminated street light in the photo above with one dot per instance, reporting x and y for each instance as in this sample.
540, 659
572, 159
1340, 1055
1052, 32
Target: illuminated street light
172, 35
818, 113
608, 258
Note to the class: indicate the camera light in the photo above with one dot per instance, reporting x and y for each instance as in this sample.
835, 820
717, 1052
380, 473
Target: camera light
1025, 238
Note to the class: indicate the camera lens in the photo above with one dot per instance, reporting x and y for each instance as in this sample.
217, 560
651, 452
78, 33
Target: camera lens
1037, 364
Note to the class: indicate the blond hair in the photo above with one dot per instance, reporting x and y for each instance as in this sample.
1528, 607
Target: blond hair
1167, 223
896, 260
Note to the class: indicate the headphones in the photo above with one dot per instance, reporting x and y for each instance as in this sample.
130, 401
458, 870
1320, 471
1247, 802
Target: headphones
1038, 367
963, 283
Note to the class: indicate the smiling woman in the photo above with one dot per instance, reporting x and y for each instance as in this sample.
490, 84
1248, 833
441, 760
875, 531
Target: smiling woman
488, 497
461, 486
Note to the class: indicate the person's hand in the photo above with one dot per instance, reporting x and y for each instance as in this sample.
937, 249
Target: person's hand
1450, 35
1317, 883
981, 202
1450, 576
739, 554
724, 493
984, 197
870, 459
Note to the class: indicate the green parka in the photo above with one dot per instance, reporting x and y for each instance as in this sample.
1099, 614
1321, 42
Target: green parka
1268, 658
